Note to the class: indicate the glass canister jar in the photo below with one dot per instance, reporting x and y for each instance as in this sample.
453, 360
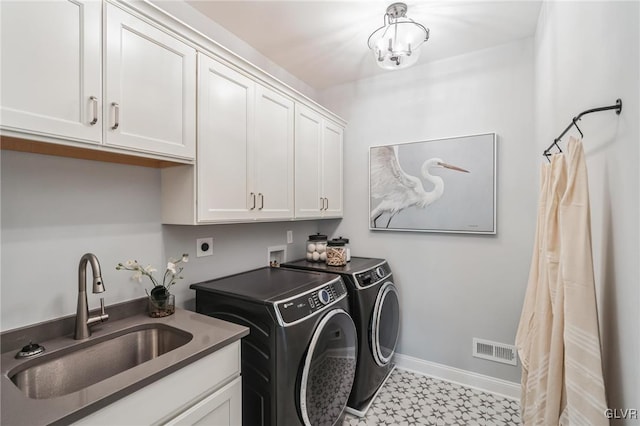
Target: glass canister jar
346, 246
317, 248
336, 252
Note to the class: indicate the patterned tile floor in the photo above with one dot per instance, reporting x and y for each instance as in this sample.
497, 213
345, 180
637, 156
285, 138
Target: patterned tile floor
413, 399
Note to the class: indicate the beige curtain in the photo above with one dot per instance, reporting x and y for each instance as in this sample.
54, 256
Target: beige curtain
558, 339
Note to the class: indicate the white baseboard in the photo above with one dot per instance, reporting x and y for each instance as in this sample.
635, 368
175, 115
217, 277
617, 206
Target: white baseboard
462, 377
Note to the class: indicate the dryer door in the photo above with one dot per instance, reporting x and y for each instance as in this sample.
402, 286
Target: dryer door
385, 324
329, 369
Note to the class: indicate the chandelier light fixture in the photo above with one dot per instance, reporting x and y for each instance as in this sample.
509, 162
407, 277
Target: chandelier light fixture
396, 44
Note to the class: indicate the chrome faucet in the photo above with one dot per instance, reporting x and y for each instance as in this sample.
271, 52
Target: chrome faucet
82, 313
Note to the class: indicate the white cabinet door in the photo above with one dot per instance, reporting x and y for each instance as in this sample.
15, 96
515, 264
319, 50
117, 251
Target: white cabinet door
332, 182
150, 88
222, 408
50, 76
308, 199
225, 136
318, 153
273, 155
180, 392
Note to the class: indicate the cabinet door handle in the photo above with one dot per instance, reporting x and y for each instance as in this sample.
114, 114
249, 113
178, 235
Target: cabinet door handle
327, 204
253, 198
94, 104
116, 114
261, 200
323, 201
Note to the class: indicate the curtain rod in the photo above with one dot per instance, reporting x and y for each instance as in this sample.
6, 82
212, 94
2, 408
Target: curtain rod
617, 107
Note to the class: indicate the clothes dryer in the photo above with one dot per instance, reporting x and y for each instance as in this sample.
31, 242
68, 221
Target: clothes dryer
375, 308
299, 359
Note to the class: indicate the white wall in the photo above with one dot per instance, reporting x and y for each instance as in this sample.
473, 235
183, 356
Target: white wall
56, 209
453, 287
587, 55
222, 36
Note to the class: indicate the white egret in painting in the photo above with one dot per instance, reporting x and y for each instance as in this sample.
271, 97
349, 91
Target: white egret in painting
395, 189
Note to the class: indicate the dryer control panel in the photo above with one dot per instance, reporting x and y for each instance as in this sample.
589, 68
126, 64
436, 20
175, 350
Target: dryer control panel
374, 275
308, 303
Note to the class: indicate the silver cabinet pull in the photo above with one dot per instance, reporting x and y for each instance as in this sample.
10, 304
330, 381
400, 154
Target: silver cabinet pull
327, 205
116, 113
94, 103
253, 198
321, 203
261, 200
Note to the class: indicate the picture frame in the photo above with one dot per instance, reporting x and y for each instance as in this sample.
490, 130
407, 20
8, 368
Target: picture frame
441, 185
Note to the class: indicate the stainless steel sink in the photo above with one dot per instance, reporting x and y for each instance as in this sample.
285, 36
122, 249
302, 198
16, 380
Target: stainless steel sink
67, 371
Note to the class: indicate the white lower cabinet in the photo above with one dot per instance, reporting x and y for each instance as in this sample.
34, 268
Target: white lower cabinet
208, 391
223, 407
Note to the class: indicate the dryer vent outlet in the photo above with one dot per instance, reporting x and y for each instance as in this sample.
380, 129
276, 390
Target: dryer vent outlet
493, 351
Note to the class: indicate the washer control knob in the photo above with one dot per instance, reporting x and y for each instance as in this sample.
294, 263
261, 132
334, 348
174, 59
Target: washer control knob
324, 296
380, 272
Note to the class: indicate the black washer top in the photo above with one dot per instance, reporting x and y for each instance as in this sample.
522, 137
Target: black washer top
265, 284
357, 264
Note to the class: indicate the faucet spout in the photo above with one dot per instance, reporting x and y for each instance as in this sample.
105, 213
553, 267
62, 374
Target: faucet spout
82, 313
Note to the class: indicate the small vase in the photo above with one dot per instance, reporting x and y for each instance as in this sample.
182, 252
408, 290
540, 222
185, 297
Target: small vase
162, 306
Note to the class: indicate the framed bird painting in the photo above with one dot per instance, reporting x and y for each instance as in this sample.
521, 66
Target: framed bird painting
442, 185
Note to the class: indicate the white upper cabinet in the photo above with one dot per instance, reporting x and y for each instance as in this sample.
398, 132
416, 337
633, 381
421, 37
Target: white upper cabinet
245, 147
225, 134
53, 85
318, 165
332, 180
309, 199
125, 78
50, 78
273, 154
150, 88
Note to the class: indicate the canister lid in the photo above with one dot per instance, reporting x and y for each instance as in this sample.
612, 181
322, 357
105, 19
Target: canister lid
336, 242
345, 239
317, 237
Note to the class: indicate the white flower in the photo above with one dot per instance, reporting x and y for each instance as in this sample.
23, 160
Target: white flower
170, 275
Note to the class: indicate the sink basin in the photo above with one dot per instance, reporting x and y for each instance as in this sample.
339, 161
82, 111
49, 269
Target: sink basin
68, 371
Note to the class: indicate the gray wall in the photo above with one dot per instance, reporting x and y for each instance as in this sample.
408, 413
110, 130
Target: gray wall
56, 209
453, 287
587, 55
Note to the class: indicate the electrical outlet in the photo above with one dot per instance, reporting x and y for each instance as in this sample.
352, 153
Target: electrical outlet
289, 237
204, 247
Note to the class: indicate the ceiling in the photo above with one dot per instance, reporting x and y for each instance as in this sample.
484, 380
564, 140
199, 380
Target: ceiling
324, 43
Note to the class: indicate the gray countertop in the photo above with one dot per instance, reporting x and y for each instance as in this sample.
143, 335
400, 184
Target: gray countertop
209, 335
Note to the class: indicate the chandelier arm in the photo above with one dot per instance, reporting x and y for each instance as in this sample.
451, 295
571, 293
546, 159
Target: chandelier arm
390, 51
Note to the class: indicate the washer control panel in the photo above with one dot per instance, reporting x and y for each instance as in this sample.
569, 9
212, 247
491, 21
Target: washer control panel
374, 275
310, 302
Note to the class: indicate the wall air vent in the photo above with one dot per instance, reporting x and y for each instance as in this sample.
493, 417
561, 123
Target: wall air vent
494, 351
